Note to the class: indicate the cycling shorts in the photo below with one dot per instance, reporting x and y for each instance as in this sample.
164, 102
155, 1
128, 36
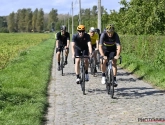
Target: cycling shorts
79, 52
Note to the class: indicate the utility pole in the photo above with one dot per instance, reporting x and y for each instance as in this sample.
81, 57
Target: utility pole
72, 17
68, 22
99, 15
79, 12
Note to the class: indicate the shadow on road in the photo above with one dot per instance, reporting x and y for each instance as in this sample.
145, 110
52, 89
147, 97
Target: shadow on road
138, 92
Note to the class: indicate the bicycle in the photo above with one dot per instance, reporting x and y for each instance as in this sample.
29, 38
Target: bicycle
93, 64
109, 76
98, 60
82, 72
62, 60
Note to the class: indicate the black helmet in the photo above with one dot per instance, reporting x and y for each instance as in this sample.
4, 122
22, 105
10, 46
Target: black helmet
63, 27
97, 30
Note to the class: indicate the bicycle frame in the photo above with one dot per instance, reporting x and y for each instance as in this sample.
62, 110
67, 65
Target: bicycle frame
82, 72
110, 77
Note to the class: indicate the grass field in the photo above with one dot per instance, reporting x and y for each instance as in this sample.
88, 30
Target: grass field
24, 81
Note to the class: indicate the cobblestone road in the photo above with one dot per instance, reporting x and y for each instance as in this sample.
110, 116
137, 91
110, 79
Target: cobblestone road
134, 99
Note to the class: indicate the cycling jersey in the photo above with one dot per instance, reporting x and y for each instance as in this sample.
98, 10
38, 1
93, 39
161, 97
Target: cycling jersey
62, 38
94, 38
109, 43
81, 42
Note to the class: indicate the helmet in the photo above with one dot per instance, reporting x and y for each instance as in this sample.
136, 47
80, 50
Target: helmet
92, 29
97, 30
63, 27
81, 27
110, 28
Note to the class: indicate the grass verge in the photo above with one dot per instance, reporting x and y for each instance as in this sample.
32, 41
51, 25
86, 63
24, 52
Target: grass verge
23, 86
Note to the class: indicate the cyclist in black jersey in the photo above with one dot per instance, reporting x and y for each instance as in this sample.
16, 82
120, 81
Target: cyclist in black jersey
62, 41
81, 43
109, 45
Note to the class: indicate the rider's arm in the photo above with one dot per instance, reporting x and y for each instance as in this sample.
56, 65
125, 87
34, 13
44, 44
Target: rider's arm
73, 45
89, 43
118, 45
101, 45
90, 47
97, 42
68, 40
118, 50
57, 40
101, 50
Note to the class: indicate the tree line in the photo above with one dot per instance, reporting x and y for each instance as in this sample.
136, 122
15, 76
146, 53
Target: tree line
134, 17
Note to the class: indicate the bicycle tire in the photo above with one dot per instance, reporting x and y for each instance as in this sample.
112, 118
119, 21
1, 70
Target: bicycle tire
91, 66
108, 81
62, 65
111, 83
83, 80
98, 61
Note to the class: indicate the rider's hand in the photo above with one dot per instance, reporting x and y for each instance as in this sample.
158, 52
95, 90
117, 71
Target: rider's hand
117, 57
90, 55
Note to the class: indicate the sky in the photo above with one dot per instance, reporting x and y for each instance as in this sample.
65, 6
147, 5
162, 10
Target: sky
62, 6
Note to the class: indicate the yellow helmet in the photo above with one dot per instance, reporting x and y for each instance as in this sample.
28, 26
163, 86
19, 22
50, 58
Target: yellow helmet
110, 28
81, 27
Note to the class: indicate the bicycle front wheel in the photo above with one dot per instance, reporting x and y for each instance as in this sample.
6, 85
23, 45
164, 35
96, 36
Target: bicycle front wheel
108, 81
111, 83
83, 80
62, 65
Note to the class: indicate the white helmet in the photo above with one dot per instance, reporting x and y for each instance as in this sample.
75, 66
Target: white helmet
92, 29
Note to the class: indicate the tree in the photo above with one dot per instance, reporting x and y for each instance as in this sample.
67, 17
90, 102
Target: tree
40, 21
11, 22
52, 19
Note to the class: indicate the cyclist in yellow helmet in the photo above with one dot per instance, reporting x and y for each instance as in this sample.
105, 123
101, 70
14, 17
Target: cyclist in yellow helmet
94, 41
81, 43
109, 45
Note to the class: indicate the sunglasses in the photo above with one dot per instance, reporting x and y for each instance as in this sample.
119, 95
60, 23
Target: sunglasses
81, 31
110, 31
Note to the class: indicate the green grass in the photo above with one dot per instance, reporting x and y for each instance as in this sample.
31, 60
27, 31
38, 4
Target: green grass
23, 86
144, 56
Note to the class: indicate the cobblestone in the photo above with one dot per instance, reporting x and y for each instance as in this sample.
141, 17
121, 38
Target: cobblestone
134, 99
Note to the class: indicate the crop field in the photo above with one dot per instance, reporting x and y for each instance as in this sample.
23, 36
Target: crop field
11, 45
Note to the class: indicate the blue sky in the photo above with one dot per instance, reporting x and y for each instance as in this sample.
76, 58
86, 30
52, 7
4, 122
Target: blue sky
63, 6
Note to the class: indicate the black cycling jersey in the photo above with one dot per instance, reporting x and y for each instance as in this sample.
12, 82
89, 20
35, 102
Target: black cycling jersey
62, 38
81, 42
109, 43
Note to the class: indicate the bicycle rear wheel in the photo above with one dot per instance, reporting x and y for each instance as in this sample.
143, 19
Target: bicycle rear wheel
98, 61
111, 84
93, 65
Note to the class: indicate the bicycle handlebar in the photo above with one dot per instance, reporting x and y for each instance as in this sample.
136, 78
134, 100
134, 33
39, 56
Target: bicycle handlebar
110, 59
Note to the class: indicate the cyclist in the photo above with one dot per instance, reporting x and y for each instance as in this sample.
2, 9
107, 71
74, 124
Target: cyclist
81, 43
94, 41
62, 40
98, 32
109, 45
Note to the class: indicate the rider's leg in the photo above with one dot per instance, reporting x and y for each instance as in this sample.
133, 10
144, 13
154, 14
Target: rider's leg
58, 57
77, 66
66, 55
114, 65
103, 69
